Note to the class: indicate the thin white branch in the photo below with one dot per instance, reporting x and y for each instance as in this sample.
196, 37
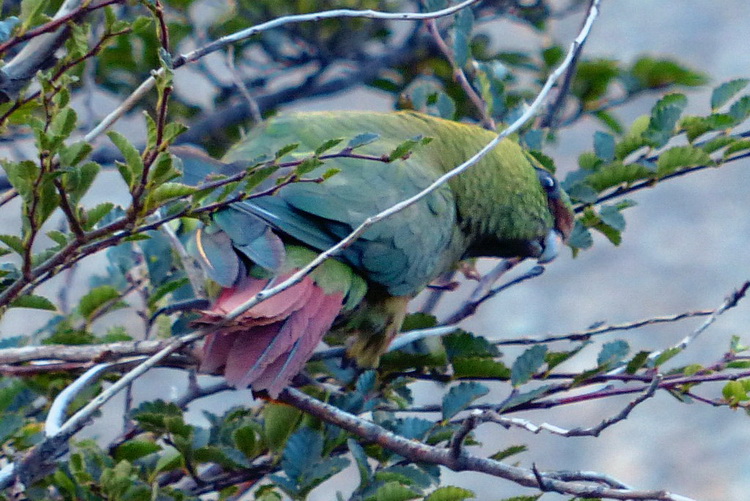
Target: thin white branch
417, 334
730, 302
593, 431
224, 41
56, 414
78, 419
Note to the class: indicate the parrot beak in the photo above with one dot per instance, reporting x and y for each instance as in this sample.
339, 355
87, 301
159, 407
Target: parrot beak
551, 246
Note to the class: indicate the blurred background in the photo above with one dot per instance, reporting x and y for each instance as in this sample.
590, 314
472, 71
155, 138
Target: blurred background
685, 248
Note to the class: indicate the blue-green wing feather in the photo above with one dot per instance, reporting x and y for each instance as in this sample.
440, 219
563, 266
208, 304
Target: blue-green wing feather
401, 252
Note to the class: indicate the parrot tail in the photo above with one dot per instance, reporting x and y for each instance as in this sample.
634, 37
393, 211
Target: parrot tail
270, 343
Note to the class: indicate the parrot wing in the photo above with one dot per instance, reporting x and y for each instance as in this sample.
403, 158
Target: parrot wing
404, 252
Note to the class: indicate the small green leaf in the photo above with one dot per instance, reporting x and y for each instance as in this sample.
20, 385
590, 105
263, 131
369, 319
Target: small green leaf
461, 396
32, 12
326, 146
604, 146
718, 143
413, 428
308, 165
135, 449
734, 392
358, 453
394, 491
282, 152
737, 146
525, 397
615, 174
659, 73
681, 157
666, 355
303, 449
740, 110
96, 214
35, 302
63, 123
257, 175
473, 367
169, 462
163, 169
22, 176
133, 167
329, 173
167, 192
403, 150
637, 362
10, 423
664, 116
508, 452
580, 237
73, 154
279, 421
633, 140
14, 243
611, 216
463, 344
96, 298
463, 24
450, 493
612, 353
362, 139
726, 91
78, 180
527, 364
445, 104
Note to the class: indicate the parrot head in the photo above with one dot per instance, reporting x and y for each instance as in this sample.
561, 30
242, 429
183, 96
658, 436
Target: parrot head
559, 206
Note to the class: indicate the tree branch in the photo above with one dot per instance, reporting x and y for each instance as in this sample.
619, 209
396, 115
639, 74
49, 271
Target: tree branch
420, 452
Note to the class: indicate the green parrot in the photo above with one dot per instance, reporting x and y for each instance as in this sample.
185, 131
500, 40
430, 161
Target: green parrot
505, 206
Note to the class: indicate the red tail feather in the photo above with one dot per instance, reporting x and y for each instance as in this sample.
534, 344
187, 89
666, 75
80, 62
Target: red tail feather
270, 343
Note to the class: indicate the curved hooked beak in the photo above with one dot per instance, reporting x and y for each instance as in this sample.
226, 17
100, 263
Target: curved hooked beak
551, 246
556, 237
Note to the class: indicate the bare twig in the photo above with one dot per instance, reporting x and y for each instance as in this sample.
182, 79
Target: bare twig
460, 76
729, 303
604, 329
593, 431
476, 300
549, 119
240, 85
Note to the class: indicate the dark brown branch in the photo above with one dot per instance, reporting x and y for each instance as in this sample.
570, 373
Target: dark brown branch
420, 452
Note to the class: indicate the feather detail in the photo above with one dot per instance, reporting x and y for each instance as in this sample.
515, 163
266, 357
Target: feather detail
270, 343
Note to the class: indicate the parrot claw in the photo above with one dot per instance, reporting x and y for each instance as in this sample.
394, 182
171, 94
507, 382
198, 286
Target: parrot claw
550, 247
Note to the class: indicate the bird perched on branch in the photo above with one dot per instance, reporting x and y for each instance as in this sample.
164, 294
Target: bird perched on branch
505, 206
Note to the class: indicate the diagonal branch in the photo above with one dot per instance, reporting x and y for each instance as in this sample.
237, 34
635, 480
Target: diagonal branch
420, 452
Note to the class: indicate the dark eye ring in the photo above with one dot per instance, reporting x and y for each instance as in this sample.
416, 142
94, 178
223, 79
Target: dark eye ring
547, 181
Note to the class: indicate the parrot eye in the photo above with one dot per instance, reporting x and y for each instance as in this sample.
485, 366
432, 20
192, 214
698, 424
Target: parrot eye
548, 182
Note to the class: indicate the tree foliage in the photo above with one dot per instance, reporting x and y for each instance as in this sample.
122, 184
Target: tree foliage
250, 59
